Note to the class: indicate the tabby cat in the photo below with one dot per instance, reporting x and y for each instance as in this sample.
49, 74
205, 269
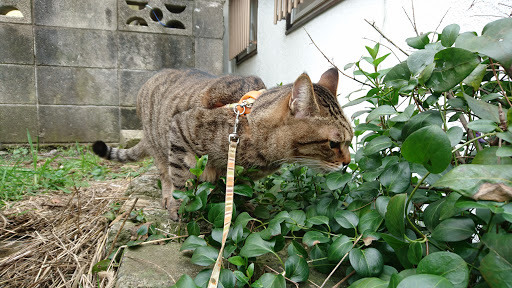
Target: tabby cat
183, 116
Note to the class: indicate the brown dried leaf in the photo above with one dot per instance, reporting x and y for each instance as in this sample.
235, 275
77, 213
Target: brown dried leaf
494, 192
368, 240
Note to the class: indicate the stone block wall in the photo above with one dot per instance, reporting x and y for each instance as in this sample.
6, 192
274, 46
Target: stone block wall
70, 70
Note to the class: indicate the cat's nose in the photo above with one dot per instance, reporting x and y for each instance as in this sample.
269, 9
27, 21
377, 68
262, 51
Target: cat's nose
346, 159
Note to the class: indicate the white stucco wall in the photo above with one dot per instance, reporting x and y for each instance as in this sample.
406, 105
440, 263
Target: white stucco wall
341, 31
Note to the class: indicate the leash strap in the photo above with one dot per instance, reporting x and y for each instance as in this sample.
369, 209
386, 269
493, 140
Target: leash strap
228, 213
243, 107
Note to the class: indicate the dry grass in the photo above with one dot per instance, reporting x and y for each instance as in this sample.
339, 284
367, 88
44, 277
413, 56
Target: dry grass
53, 240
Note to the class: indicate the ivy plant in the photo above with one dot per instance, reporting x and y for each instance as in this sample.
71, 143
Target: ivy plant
425, 201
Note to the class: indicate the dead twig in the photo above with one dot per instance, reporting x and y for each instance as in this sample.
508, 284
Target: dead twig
334, 65
122, 225
385, 37
291, 281
339, 263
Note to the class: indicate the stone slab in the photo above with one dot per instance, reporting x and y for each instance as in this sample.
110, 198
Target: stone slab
209, 55
130, 82
176, 15
91, 14
78, 123
16, 44
23, 6
130, 138
79, 86
17, 84
154, 266
129, 119
14, 122
155, 51
209, 19
75, 47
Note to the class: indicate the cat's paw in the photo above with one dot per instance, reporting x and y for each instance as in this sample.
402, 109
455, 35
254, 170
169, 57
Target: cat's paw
173, 209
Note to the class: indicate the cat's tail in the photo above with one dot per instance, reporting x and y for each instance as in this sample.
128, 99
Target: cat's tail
136, 153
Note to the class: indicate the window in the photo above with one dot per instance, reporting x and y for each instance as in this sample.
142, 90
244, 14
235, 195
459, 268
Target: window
298, 12
243, 24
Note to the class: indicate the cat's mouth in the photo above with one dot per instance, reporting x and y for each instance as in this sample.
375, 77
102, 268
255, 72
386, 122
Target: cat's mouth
318, 165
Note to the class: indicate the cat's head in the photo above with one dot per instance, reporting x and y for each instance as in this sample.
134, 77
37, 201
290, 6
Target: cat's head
304, 123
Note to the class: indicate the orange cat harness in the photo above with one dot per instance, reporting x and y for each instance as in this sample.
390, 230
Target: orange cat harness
249, 98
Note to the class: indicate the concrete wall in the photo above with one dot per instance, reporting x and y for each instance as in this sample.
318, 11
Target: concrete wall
342, 33
70, 70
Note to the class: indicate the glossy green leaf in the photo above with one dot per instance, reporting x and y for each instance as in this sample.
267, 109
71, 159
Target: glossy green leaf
395, 215
400, 248
506, 136
367, 262
475, 78
452, 66
419, 60
482, 125
193, 228
421, 120
500, 244
381, 204
404, 116
495, 42
447, 208
496, 271
243, 218
370, 282
377, 144
429, 146
488, 156
380, 111
398, 76
312, 238
418, 42
101, 266
483, 109
185, 281
216, 215
296, 269
448, 265
467, 179
432, 214
192, 243
396, 178
256, 246
204, 256
295, 248
269, 280
243, 190
319, 256
370, 162
449, 35
347, 219
454, 229
415, 253
370, 221
337, 180
425, 281
341, 246
318, 220
505, 151
455, 135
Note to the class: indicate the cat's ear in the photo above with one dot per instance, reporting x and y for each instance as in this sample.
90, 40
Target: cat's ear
329, 80
302, 101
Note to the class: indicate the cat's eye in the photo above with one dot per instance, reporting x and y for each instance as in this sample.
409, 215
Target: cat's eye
334, 144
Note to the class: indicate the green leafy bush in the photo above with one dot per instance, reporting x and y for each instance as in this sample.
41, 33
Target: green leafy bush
426, 200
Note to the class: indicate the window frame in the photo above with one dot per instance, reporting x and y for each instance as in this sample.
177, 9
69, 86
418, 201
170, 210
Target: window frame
293, 21
252, 49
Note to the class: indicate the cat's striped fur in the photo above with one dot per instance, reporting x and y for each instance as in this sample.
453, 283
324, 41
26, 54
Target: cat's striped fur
183, 116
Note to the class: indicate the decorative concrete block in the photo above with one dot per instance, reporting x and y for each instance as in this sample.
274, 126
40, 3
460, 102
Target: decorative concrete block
14, 122
209, 19
176, 15
91, 14
16, 44
69, 124
75, 47
16, 11
78, 86
155, 51
130, 82
209, 55
17, 84
129, 119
